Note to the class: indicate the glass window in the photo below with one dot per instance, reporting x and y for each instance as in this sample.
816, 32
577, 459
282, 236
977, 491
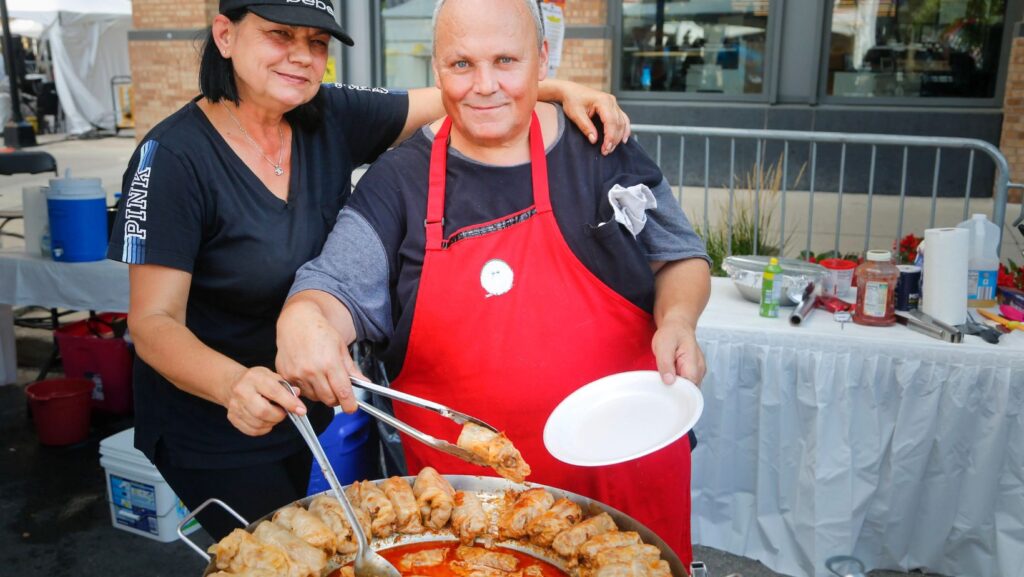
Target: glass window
694, 45
407, 43
915, 48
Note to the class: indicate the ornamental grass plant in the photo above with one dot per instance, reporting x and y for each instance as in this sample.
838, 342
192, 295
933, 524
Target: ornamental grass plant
753, 218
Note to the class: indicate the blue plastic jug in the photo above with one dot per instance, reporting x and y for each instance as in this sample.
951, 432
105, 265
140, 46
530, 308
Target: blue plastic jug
349, 447
77, 209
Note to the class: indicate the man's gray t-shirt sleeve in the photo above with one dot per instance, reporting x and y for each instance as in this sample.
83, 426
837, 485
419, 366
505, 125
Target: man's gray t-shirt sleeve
353, 267
668, 235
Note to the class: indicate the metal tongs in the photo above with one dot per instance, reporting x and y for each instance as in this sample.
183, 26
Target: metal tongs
446, 412
927, 325
368, 563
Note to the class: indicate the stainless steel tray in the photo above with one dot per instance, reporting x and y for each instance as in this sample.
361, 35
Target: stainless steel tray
495, 486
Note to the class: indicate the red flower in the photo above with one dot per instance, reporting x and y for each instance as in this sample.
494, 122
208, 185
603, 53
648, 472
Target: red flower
1011, 276
907, 248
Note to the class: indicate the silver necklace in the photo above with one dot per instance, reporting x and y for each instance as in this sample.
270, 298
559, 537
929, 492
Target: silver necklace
280, 135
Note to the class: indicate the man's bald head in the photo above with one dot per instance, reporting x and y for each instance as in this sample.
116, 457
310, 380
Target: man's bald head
531, 5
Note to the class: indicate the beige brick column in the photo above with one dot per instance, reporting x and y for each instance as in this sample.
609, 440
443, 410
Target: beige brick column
164, 46
587, 60
1012, 140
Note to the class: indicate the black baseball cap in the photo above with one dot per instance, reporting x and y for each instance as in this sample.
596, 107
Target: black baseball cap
311, 13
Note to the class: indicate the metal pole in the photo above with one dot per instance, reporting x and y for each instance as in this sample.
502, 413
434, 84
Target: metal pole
17, 132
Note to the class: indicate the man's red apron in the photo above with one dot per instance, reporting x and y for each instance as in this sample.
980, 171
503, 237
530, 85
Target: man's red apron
507, 323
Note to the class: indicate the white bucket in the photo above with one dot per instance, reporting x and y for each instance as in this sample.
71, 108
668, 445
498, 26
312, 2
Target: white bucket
33, 208
141, 502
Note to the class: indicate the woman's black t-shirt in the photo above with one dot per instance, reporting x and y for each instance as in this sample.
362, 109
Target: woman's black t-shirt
188, 202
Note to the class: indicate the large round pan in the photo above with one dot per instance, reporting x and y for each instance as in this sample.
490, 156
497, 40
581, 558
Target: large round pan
493, 486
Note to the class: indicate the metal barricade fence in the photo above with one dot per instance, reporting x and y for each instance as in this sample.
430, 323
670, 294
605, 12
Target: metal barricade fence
654, 138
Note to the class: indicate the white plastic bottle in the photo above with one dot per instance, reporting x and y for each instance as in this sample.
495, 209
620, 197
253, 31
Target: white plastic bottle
983, 261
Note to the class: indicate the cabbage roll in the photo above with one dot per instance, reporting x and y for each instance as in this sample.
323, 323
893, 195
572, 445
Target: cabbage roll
645, 552
407, 512
468, 518
376, 504
496, 450
561, 516
480, 557
609, 540
424, 558
434, 497
568, 542
530, 504
302, 553
634, 568
307, 527
329, 510
240, 552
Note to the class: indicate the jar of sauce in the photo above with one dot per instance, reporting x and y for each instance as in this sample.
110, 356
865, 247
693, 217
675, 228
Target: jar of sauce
876, 290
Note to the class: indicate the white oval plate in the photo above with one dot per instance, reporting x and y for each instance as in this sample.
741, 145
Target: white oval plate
621, 417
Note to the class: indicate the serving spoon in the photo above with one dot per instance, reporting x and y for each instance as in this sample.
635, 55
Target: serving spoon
367, 563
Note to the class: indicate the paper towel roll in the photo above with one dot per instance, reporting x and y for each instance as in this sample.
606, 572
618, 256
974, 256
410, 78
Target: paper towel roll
33, 207
944, 291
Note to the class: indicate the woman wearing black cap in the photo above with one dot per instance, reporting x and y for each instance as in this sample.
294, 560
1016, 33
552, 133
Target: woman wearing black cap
222, 202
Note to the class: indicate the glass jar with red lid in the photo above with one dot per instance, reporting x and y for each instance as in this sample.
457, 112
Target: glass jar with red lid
876, 290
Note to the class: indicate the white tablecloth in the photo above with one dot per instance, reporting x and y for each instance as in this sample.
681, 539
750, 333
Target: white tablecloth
878, 442
32, 280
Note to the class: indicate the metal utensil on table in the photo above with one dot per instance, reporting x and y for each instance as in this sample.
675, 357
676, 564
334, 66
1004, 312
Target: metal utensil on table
805, 304
446, 412
920, 322
367, 562
985, 332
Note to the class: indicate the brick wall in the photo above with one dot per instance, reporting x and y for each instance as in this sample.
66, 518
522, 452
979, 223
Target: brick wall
165, 76
587, 61
165, 72
1012, 140
162, 14
589, 12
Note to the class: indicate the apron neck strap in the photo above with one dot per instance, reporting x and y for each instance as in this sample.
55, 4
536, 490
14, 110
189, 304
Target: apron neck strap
439, 168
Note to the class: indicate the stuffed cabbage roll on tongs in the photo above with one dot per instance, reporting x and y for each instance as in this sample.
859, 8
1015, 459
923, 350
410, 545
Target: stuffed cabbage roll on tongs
479, 443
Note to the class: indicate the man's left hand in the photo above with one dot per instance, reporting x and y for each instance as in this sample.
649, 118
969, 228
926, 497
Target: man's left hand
677, 352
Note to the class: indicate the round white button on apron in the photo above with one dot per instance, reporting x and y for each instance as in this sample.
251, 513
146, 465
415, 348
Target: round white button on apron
496, 277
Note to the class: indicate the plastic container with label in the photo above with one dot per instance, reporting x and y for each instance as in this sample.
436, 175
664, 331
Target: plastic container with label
982, 261
839, 278
141, 502
876, 290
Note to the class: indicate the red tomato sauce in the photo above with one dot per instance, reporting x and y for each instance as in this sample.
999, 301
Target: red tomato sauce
395, 554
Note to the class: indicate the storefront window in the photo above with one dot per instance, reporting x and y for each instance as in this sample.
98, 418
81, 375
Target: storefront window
914, 48
407, 43
715, 46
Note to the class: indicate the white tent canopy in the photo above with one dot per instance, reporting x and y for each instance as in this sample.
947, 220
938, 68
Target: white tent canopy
89, 47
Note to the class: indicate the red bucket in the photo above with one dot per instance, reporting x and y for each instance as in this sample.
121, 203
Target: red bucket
90, 349
61, 409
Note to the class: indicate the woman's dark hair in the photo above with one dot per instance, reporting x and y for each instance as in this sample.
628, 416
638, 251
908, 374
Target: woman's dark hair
217, 81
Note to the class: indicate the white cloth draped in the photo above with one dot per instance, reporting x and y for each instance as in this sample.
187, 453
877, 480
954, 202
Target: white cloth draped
89, 47
818, 440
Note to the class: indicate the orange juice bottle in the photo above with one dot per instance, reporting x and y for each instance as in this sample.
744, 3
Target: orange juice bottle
876, 290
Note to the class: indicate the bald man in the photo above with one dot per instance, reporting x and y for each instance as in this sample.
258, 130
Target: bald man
484, 260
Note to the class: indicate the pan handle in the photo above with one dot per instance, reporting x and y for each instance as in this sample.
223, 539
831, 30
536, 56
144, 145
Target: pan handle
192, 514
